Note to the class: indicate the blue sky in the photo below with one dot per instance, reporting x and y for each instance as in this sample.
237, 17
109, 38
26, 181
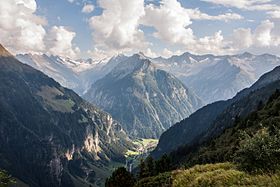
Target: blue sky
156, 27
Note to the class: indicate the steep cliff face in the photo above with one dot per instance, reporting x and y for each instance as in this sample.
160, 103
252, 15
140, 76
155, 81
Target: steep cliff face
143, 98
49, 135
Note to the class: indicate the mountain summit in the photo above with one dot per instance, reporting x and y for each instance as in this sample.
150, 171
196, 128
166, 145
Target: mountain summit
4, 52
145, 99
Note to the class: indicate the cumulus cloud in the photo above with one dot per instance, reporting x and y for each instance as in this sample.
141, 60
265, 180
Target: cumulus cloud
117, 28
173, 24
150, 53
242, 38
263, 37
274, 14
215, 44
168, 53
20, 29
88, 8
59, 42
170, 20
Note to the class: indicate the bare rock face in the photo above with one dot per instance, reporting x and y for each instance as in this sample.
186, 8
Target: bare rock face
4, 52
49, 135
145, 99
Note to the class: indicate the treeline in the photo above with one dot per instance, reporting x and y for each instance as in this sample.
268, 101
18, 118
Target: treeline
147, 168
252, 144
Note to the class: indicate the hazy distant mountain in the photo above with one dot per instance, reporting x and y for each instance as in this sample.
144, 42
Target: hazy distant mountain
214, 118
78, 75
49, 135
145, 99
216, 78
211, 77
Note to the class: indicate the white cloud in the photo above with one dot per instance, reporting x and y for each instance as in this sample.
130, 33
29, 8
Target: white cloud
196, 14
238, 3
150, 53
59, 42
262, 39
274, 14
252, 5
20, 29
215, 44
263, 35
117, 28
172, 23
170, 20
168, 53
242, 38
88, 8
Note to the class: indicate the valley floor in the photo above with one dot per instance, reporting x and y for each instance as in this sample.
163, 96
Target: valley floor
143, 148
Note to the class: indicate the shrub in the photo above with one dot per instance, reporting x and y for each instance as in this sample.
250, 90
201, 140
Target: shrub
120, 178
5, 179
260, 152
161, 180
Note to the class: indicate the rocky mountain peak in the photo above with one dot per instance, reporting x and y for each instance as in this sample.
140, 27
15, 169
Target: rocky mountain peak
4, 52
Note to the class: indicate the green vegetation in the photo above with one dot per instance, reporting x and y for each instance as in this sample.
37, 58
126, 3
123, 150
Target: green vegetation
253, 142
160, 180
146, 142
6, 179
131, 153
261, 152
151, 167
221, 174
247, 154
142, 146
120, 178
56, 100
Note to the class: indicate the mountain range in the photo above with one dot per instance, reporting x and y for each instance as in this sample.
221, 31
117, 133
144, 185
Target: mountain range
73, 74
49, 135
211, 77
145, 99
212, 120
207, 78
215, 78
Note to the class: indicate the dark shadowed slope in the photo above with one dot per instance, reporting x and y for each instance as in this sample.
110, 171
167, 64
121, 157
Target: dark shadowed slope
212, 119
49, 135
